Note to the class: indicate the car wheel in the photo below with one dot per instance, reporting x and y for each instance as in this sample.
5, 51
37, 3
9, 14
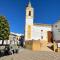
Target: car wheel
10, 52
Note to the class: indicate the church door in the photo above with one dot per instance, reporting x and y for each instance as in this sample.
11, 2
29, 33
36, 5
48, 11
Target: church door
50, 36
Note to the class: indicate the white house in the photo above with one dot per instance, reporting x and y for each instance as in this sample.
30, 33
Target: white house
56, 30
16, 36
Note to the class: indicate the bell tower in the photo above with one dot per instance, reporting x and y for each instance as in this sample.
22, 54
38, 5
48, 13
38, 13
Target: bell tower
29, 22
29, 11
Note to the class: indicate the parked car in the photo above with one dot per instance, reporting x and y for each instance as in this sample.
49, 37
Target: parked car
8, 47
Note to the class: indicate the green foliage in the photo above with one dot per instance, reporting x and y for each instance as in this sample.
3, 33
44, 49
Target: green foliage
4, 28
52, 47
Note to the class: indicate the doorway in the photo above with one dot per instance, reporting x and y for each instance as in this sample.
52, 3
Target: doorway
50, 36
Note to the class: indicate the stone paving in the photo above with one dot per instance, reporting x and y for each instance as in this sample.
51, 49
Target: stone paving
25, 54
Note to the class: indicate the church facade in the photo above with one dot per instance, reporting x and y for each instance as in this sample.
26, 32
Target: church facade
35, 31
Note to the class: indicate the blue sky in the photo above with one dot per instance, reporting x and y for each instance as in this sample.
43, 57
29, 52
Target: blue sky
46, 11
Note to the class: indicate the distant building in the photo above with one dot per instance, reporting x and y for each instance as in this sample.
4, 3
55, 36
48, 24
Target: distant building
15, 36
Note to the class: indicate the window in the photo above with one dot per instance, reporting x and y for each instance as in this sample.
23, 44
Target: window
29, 13
56, 26
41, 30
41, 37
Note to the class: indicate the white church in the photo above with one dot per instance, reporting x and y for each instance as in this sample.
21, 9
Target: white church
33, 31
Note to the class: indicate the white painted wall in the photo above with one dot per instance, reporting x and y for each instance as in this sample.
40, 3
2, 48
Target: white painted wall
29, 21
36, 33
56, 33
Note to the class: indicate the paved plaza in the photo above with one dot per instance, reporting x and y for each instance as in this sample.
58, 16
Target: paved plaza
25, 54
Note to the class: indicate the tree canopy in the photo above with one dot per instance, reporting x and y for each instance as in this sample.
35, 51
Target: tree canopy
4, 28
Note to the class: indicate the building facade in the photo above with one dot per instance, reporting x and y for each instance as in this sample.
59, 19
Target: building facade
56, 30
35, 31
15, 36
56, 36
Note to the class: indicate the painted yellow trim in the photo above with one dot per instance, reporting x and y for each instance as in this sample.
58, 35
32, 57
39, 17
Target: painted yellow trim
29, 32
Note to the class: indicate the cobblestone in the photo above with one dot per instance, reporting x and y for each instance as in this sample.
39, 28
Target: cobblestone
26, 54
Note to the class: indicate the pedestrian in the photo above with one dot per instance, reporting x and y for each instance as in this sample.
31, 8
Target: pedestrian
21, 41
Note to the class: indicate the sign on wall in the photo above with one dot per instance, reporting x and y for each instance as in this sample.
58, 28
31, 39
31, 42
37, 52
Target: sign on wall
58, 44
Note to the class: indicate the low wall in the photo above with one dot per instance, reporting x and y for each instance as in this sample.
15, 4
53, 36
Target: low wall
43, 43
28, 44
35, 45
55, 47
58, 49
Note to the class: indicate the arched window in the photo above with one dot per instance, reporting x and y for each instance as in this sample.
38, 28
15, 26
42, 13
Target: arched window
29, 13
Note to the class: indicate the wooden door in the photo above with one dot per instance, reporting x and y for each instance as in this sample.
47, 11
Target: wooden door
50, 36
